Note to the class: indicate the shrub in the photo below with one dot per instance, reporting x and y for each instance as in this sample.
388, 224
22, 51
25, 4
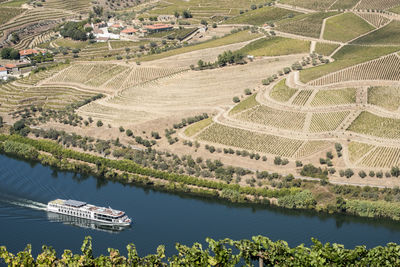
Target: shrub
247, 91
121, 129
99, 123
129, 132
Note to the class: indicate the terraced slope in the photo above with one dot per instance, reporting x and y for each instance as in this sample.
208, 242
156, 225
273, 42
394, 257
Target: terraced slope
307, 25
345, 27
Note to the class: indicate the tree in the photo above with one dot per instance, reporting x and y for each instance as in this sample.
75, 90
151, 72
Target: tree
9, 53
236, 99
187, 15
176, 14
99, 123
362, 174
204, 22
348, 173
395, 171
1, 121
98, 10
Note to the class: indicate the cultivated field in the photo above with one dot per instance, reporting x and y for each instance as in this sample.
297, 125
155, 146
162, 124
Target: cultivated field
334, 97
276, 46
249, 140
281, 92
174, 95
345, 27
307, 25
386, 68
387, 97
310, 4
275, 118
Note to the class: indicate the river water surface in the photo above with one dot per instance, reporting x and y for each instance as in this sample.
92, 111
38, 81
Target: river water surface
158, 217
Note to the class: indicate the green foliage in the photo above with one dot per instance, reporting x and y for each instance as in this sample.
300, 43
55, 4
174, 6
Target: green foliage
301, 200
9, 53
229, 57
74, 30
219, 253
18, 149
312, 171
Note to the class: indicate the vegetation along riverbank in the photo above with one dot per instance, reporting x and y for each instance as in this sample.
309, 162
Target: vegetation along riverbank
288, 192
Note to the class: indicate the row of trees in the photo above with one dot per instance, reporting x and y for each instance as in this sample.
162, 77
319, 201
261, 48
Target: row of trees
224, 252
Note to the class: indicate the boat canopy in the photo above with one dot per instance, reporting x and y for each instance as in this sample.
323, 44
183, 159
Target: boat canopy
74, 203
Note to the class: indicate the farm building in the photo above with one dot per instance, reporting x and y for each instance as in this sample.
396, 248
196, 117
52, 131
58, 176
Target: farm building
11, 68
129, 31
158, 27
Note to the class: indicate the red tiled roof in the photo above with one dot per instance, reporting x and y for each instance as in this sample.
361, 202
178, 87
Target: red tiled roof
2, 69
27, 52
129, 30
10, 66
158, 26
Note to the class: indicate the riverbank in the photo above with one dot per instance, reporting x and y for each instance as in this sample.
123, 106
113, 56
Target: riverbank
300, 195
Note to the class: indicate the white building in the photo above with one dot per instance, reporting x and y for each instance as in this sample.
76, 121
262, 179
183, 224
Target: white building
3, 72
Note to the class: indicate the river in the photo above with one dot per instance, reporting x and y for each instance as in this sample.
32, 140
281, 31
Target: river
158, 217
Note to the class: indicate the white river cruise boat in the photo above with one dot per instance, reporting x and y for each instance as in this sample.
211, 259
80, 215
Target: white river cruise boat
87, 211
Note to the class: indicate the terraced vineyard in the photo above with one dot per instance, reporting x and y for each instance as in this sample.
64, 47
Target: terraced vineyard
35, 78
382, 157
345, 27
358, 150
377, 5
275, 118
311, 147
249, 140
34, 16
14, 98
374, 18
73, 5
281, 92
386, 68
344, 4
387, 97
325, 122
387, 35
370, 124
276, 46
310, 4
325, 49
302, 97
334, 97
261, 16
307, 25
8, 13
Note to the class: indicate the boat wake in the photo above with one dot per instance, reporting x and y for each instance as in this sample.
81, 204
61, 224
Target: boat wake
25, 203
